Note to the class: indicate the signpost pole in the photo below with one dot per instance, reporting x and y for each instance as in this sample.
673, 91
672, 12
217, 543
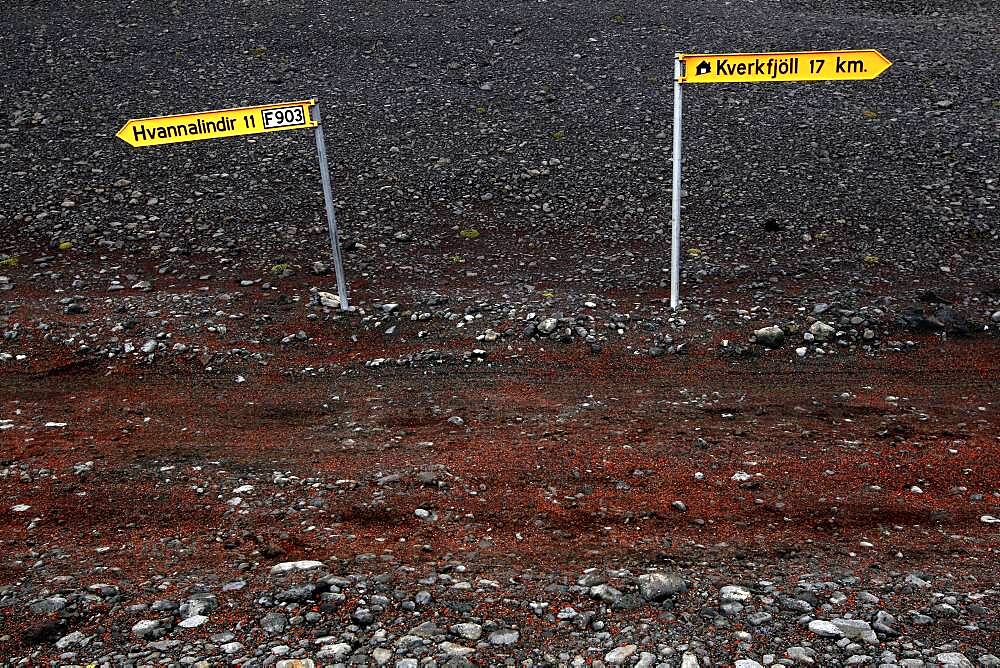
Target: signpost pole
331, 215
675, 207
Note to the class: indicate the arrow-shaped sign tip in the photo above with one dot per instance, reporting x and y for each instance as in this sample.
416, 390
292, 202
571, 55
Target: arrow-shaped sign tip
123, 134
886, 63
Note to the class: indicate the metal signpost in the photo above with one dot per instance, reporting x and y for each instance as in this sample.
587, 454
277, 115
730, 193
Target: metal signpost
754, 68
331, 215
675, 202
220, 123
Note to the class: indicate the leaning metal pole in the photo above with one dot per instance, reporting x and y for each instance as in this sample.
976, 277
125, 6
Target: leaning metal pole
331, 215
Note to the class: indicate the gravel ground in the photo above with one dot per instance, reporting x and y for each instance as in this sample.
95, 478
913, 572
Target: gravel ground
511, 451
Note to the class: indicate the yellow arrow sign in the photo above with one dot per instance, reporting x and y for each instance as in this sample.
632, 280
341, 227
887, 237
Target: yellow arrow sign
783, 66
219, 123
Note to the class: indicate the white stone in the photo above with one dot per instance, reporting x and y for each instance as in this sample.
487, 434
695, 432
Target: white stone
856, 629
289, 566
953, 660
825, 629
821, 331
335, 652
381, 655
734, 593
145, 626
454, 649
646, 660
71, 640
193, 621
504, 637
469, 631
328, 300
620, 655
231, 647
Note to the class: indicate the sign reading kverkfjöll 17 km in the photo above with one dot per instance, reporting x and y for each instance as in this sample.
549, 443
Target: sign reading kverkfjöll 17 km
792, 66
720, 68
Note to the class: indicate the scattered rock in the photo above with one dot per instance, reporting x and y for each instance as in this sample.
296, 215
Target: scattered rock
659, 586
291, 566
770, 337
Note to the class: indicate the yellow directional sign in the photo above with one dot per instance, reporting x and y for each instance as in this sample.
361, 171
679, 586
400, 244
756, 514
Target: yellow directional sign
219, 123
782, 66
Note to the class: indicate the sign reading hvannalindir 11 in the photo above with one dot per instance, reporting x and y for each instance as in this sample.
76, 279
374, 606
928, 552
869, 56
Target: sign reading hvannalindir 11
219, 123
784, 66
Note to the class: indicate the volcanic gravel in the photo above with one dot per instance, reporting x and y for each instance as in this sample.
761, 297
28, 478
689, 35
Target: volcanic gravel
511, 450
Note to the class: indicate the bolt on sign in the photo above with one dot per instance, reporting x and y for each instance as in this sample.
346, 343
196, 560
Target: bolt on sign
798, 66
218, 124
720, 68
299, 115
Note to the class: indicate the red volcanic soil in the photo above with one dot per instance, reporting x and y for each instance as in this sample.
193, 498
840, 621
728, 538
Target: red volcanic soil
559, 459
561, 462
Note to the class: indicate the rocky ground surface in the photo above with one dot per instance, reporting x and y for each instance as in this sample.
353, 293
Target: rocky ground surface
511, 450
